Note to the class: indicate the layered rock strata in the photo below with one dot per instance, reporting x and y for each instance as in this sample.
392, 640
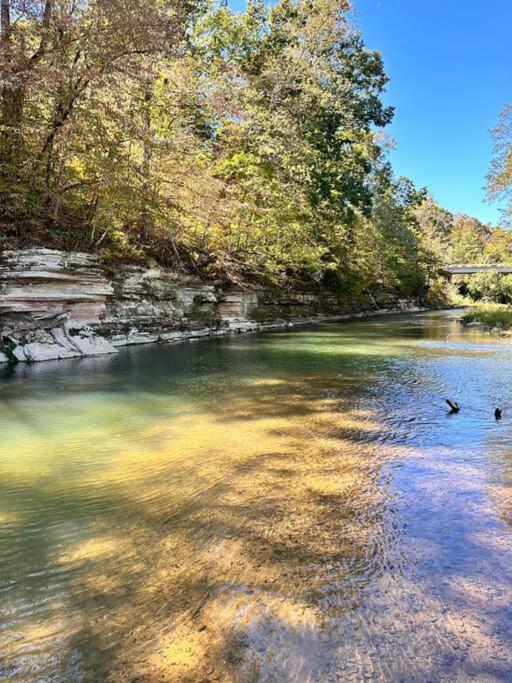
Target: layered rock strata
56, 305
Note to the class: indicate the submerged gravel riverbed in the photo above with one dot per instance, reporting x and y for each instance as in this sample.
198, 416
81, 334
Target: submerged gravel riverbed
293, 506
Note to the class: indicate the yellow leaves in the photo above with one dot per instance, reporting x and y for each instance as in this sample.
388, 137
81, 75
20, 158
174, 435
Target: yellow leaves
77, 167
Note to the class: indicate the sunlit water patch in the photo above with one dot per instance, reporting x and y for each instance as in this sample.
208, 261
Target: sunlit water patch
284, 507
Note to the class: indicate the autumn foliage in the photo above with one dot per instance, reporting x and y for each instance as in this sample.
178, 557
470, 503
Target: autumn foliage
238, 145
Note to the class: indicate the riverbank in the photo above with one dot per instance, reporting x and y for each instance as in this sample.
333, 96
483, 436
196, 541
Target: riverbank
495, 318
57, 305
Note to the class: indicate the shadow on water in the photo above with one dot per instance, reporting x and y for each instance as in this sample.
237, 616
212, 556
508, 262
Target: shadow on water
283, 507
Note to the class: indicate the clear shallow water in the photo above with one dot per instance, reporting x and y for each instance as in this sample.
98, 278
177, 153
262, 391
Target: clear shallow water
291, 506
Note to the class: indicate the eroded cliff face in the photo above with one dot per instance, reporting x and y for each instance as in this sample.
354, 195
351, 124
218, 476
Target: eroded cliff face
57, 305
43, 281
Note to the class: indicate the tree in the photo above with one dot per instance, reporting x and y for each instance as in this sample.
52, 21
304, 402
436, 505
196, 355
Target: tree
297, 97
469, 237
65, 65
239, 145
434, 230
491, 286
499, 178
499, 247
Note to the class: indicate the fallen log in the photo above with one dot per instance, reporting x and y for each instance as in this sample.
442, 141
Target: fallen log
455, 408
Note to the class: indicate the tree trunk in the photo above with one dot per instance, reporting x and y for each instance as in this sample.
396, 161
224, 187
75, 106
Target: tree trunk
145, 218
10, 103
14, 87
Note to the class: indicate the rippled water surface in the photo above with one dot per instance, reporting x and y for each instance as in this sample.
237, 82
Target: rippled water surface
283, 507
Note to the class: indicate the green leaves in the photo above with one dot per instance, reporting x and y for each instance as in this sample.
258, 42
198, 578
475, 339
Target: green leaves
241, 145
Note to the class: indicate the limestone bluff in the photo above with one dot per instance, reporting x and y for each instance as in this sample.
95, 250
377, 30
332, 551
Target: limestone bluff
56, 305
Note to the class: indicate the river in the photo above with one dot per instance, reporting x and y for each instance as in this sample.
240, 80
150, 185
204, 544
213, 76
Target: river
294, 506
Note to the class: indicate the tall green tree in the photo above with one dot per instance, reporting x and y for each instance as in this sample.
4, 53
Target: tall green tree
499, 179
499, 247
469, 237
298, 98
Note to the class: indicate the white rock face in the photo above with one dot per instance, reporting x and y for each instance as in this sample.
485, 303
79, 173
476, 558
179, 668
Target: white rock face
238, 305
19, 353
37, 352
45, 282
153, 300
241, 326
60, 337
61, 343
93, 345
56, 305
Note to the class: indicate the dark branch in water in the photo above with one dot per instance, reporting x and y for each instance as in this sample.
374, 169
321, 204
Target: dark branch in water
455, 408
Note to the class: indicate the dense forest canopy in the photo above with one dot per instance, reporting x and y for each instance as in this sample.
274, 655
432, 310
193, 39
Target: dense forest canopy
240, 145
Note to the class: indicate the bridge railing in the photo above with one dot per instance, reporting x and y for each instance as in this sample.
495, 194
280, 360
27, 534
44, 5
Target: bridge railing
472, 268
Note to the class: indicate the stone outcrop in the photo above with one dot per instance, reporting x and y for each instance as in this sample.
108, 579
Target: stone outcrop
149, 303
56, 305
47, 282
70, 339
48, 301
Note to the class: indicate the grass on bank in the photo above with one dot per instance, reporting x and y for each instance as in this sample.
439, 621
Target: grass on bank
494, 315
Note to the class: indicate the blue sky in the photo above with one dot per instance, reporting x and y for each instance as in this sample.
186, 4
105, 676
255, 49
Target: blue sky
450, 66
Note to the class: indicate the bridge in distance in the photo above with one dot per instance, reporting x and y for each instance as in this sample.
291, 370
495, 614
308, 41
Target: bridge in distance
471, 269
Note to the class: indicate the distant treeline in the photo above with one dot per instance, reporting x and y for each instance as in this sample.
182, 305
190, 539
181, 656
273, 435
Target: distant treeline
239, 145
